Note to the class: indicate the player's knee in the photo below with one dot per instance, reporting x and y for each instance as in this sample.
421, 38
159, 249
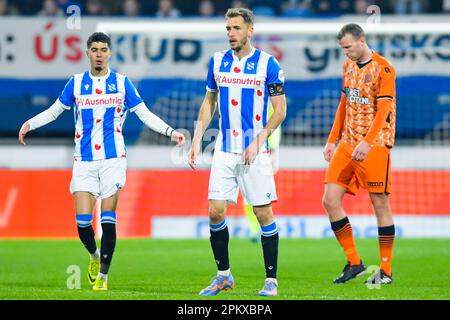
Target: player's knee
330, 203
380, 203
263, 214
216, 214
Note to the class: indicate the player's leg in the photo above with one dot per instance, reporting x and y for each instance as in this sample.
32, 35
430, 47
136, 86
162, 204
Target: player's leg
222, 189
108, 241
112, 178
219, 235
270, 243
340, 224
376, 170
252, 221
219, 238
386, 236
257, 184
340, 179
85, 188
84, 206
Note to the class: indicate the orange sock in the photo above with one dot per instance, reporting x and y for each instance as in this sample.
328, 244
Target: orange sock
344, 234
386, 236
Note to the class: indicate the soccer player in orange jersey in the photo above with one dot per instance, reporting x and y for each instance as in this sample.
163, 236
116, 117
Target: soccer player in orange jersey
365, 127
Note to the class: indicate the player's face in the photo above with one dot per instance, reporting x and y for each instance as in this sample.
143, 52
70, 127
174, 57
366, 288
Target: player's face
238, 32
352, 48
98, 55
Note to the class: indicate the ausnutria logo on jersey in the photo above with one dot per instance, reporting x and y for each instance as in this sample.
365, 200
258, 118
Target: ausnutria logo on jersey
110, 101
249, 81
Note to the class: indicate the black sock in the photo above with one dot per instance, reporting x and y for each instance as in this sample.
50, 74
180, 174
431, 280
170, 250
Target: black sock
219, 244
270, 252
87, 236
108, 246
338, 225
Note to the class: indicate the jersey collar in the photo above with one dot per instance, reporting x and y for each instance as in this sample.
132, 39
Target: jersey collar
244, 57
101, 77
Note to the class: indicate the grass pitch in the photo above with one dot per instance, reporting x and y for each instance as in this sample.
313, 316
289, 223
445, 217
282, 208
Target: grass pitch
179, 269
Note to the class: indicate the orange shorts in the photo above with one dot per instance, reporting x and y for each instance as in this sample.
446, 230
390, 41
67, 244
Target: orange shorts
373, 174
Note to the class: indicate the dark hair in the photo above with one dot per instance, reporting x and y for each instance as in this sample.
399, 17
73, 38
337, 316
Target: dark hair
353, 29
98, 37
245, 13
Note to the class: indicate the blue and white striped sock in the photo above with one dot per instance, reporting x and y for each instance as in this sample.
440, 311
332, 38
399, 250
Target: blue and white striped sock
269, 230
84, 219
217, 227
269, 242
86, 232
219, 243
108, 221
108, 217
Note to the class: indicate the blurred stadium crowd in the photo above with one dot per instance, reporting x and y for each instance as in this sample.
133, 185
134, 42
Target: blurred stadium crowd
210, 8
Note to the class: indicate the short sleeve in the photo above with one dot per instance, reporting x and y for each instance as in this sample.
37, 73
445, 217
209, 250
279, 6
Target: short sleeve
387, 82
275, 74
67, 97
211, 84
132, 97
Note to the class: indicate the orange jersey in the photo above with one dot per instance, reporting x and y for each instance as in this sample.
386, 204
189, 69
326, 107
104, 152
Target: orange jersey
368, 89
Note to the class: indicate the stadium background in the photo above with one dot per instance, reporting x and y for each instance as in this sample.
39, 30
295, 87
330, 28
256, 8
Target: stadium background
163, 198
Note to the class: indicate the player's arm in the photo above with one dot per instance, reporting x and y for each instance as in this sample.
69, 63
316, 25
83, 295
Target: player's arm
336, 130
384, 103
205, 116
278, 101
155, 123
64, 101
384, 106
275, 85
339, 120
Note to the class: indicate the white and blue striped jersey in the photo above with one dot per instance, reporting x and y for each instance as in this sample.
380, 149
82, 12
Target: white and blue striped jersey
100, 108
243, 96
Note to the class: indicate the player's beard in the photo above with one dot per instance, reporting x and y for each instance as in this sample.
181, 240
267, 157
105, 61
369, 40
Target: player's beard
241, 45
98, 69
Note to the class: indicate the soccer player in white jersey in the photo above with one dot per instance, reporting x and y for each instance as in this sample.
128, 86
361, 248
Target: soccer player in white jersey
240, 81
101, 99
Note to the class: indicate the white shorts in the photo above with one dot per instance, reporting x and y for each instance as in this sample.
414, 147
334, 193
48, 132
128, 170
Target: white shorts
102, 178
229, 174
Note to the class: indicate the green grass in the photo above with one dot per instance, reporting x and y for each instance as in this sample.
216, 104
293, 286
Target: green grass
179, 269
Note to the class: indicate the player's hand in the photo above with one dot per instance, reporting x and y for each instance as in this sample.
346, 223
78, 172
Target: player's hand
250, 153
178, 137
329, 151
361, 151
23, 132
193, 153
